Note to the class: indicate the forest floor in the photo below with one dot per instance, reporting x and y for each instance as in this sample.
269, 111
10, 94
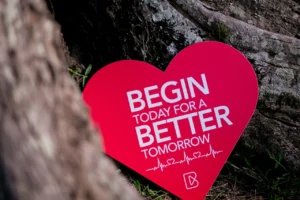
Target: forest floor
246, 175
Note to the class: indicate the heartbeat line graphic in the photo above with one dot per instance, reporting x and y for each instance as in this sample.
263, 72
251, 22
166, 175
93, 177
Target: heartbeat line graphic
186, 159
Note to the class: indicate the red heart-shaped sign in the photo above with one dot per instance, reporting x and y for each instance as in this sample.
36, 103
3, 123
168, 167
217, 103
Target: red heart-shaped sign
176, 128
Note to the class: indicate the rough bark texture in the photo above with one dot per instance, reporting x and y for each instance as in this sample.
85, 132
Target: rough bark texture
154, 31
49, 149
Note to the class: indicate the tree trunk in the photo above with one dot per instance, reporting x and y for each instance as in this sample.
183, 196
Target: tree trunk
49, 148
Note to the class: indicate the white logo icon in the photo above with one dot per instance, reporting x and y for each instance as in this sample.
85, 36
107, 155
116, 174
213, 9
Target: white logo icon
190, 180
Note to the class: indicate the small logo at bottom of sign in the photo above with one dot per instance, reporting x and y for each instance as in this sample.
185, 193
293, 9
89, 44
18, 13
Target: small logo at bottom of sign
190, 180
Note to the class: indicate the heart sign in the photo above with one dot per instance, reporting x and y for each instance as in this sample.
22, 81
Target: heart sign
176, 128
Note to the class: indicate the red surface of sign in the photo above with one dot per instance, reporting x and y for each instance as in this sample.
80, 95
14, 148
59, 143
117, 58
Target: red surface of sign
176, 128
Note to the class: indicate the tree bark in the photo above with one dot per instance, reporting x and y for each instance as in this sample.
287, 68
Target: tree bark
49, 148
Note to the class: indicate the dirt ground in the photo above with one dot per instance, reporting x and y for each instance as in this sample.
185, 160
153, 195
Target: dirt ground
279, 16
